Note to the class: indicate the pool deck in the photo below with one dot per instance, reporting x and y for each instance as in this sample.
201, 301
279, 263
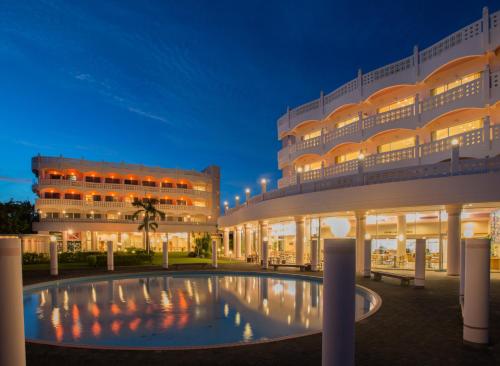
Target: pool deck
413, 327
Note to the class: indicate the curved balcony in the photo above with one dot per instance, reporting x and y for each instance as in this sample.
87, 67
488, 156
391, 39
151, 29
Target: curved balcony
473, 94
472, 40
124, 221
67, 183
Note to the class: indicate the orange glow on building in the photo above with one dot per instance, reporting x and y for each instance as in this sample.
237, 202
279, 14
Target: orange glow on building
95, 310
134, 324
115, 309
96, 329
116, 325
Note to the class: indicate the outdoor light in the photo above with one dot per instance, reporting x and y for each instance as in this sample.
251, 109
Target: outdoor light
53, 238
340, 226
361, 156
368, 236
454, 142
263, 181
226, 203
70, 231
299, 169
247, 190
401, 237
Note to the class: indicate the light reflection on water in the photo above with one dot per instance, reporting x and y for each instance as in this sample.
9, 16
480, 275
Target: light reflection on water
163, 311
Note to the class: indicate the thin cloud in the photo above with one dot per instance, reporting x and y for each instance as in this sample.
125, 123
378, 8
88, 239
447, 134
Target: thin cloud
15, 180
31, 144
148, 115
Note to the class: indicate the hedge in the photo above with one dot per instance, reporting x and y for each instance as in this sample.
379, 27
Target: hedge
120, 259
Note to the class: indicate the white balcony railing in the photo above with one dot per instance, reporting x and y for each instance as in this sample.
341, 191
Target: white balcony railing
193, 221
118, 187
41, 202
389, 116
479, 37
453, 95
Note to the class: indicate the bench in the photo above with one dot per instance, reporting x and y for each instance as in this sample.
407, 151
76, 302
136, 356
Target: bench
302, 267
177, 265
405, 279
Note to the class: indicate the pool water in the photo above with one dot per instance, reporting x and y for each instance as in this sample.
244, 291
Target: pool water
177, 310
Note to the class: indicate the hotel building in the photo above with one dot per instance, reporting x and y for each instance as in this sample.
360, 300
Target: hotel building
85, 204
409, 150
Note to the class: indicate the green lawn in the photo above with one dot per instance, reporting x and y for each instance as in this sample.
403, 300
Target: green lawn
175, 257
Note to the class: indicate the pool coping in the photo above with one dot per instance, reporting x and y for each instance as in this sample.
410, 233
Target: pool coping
376, 298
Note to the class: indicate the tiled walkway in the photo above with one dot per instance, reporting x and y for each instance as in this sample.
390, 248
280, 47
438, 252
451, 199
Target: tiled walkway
413, 327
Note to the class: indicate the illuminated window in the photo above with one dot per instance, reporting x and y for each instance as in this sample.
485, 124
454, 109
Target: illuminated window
312, 166
311, 135
456, 130
396, 145
347, 122
399, 104
463, 80
347, 157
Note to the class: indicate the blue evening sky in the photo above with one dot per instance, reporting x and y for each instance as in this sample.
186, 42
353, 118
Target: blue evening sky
187, 83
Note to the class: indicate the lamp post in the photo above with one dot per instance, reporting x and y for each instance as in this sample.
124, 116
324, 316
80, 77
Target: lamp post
263, 185
247, 194
455, 156
237, 200
226, 206
54, 271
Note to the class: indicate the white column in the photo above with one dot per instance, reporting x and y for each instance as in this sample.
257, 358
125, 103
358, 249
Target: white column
237, 248
477, 291
165, 254
367, 258
248, 241
420, 263
314, 254
214, 252
12, 348
111, 261
401, 238
93, 240
360, 240
299, 240
265, 254
53, 259
453, 245
339, 302
226, 243
65, 241
462, 273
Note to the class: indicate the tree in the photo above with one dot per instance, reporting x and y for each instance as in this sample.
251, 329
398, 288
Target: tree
202, 244
16, 217
149, 214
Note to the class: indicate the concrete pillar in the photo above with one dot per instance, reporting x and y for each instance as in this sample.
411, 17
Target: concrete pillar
401, 237
226, 243
314, 255
53, 259
189, 242
453, 245
299, 240
367, 258
12, 349
65, 241
237, 248
360, 241
265, 254
339, 302
477, 291
462, 273
420, 263
93, 241
248, 241
214, 252
263, 237
111, 260
164, 263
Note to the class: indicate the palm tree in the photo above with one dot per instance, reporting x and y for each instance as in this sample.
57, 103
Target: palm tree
149, 213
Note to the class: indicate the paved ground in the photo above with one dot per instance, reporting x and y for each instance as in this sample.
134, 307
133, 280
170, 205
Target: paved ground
413, 327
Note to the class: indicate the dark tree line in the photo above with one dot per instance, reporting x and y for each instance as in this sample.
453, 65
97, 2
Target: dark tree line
16, 217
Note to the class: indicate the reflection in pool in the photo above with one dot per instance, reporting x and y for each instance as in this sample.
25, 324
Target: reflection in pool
176, 310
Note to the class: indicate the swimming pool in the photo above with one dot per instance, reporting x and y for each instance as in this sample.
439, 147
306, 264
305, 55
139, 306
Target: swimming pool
177, 310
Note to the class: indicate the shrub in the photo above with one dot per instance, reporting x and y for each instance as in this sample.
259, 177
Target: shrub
122, 259
35, 258
92, 260
75, 257
192, 254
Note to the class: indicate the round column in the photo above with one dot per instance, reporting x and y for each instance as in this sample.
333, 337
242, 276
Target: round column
12, 349
299, 240
367, 258
360, 241
401, 237
420, 263
462, 273
226, 243
314, 255
237, 248
248, 241
265, 254
453, 245
214, 253
111, 260
164, 248
477, 291
54, 271
339, 302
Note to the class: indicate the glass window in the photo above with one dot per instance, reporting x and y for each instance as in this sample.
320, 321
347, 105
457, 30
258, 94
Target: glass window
347, 157
456, 130
347, 122
112, 180
312, 166
167, 185
96, 197
93, 179
453, 84
396, 145
182, 185
398, 104
134, 182
311, 135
